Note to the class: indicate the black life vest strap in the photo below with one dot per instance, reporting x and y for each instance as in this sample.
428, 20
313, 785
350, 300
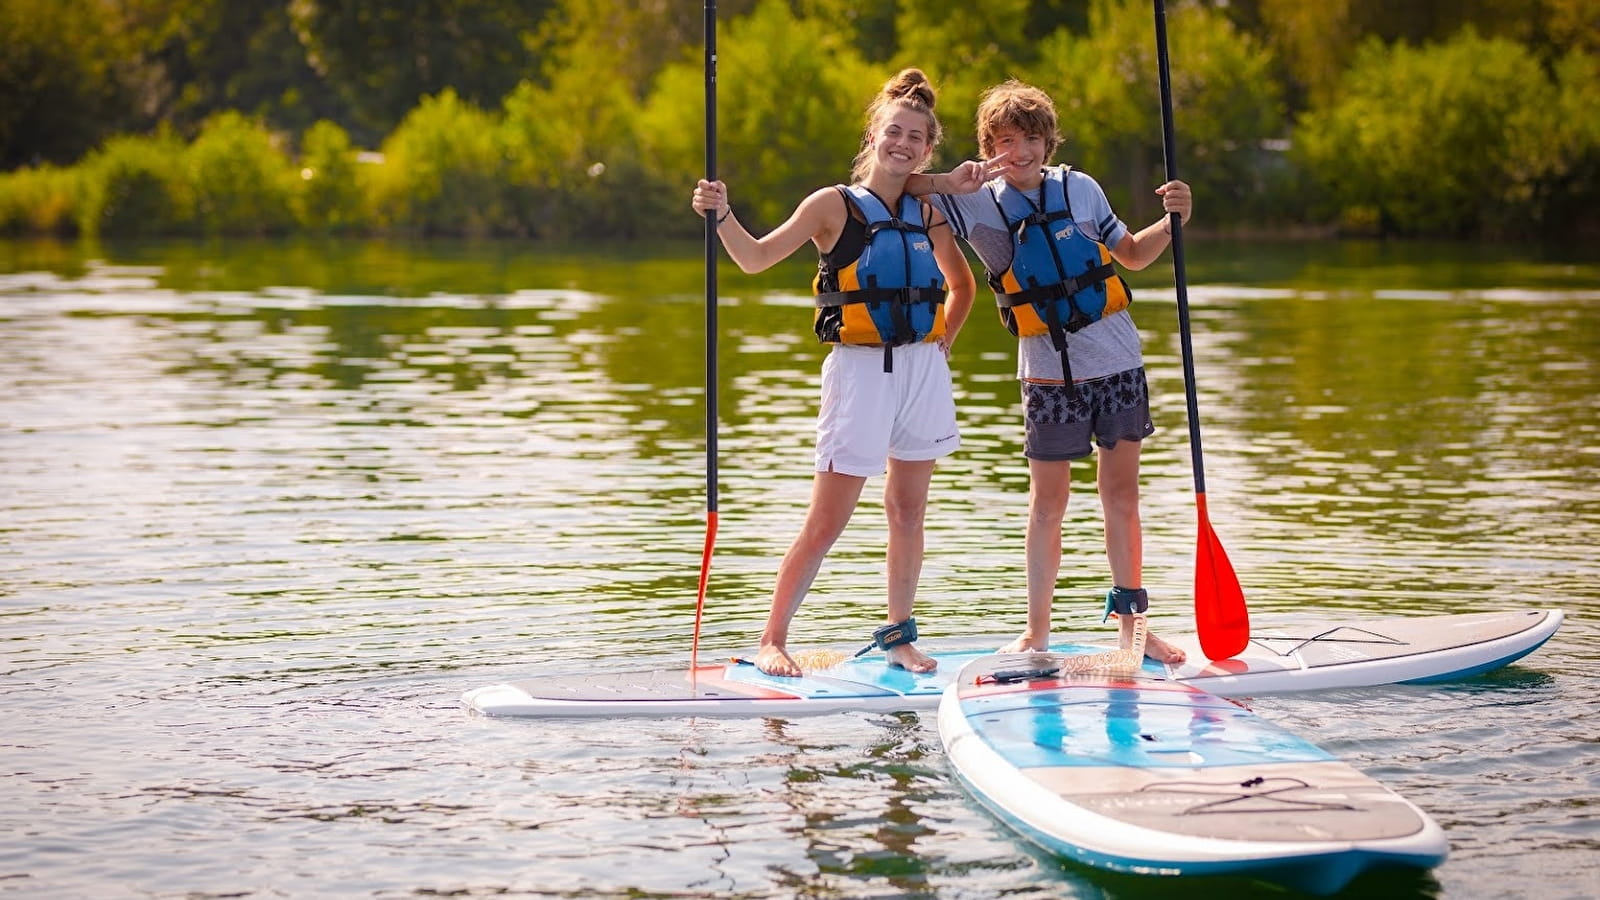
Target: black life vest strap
899, 299
1047, 293
901, 296
896, 223
1038, 217
1058, 338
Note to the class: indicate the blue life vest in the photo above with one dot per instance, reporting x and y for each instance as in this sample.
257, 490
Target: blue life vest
893, 292
1060, 279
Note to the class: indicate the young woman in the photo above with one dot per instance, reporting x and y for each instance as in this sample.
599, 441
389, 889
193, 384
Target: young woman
1047, 237
893, 291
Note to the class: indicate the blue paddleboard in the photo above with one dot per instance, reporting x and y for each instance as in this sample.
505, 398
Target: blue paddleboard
1152, 777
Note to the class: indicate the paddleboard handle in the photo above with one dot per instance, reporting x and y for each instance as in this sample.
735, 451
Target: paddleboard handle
1010, 676
891, 635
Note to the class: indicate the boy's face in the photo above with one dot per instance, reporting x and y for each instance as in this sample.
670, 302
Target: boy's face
1026, 156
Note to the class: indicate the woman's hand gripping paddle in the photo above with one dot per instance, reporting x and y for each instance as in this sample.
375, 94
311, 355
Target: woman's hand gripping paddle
1220, 615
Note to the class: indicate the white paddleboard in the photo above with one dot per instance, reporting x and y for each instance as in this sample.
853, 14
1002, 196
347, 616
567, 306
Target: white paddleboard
1336, 653
1153, 777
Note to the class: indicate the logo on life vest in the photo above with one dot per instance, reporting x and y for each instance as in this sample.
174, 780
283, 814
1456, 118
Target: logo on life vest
920, 246
1065, 232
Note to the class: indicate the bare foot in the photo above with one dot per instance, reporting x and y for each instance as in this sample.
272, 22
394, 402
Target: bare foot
1161, 651
1027, 643
774, 659
908, 657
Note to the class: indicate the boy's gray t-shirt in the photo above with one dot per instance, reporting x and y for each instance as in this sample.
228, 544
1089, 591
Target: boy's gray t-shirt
1104, 348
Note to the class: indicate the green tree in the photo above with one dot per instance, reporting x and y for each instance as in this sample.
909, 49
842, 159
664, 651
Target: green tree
868, 27
580, 163
1566, 194
637, 39
246, 57
1048, 16
38, 200
135, 185
1225, 107
1574, 24
239, 177
575, 155
791, 97
58, 89
1315, 43
444, 171
381, 57
1445, 139
330, 194
964, 48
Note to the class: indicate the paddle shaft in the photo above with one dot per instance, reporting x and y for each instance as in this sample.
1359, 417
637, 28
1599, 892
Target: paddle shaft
1175, 222
711, 260
711, 331
1221, 618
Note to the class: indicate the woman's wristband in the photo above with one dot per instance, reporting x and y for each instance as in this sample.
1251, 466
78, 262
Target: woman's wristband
724, 217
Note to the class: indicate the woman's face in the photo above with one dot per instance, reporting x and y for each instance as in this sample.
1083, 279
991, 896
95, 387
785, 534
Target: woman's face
901, 141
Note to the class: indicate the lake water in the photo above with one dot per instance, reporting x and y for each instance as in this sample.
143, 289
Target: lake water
268, 510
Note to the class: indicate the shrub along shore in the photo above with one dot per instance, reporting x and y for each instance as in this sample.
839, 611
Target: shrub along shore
1469, 137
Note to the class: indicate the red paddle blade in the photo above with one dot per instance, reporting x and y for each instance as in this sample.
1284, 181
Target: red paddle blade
700, 599
1219, 609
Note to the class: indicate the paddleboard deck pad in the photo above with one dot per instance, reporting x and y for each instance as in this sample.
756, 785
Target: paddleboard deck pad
1353, 652
1145, 776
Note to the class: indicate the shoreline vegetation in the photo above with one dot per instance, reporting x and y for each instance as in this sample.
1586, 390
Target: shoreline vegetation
1292, 121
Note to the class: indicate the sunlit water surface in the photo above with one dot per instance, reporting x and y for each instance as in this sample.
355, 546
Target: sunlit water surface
261, 532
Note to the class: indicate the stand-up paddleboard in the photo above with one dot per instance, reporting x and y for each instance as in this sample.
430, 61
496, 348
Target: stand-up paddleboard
1362, 653
1139, 775
1335, 653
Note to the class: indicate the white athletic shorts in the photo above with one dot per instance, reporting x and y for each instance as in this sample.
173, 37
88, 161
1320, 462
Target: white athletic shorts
869, 416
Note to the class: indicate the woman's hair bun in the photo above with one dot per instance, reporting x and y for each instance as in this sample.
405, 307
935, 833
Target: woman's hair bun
911, 84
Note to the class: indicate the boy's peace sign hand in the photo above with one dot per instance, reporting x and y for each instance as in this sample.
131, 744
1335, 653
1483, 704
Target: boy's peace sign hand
970, 175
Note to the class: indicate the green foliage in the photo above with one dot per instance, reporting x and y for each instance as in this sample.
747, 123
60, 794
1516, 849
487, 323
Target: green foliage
240, 180
134, 186
574, 149
57, 90
443, 172
1451, 139
973, 46
634, 39
1315, 42
868, 27
559, 118
380, 56
38, 201
1224, 107
574, 145
1560, 181
791, 98
330, 195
